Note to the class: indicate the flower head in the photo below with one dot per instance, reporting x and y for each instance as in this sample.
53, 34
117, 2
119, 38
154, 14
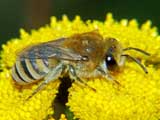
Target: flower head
137, 96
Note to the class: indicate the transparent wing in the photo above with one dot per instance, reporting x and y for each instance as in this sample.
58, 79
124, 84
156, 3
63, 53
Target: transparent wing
50, 50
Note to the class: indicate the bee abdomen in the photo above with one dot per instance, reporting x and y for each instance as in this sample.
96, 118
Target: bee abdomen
28, 71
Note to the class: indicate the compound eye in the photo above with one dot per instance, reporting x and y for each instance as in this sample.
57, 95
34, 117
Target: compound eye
110, 62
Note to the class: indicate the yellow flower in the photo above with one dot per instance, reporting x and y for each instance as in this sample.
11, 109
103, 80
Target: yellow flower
13, 103
136, 98
138, 95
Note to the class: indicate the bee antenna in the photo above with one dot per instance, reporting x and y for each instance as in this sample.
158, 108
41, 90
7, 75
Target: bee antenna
136, 61
136, 49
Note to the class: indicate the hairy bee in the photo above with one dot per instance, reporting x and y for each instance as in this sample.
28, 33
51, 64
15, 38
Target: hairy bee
81, 56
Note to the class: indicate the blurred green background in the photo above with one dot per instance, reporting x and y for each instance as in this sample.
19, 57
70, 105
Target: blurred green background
28, 14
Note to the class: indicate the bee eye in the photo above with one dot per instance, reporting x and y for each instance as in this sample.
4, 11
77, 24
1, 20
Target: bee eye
110, 62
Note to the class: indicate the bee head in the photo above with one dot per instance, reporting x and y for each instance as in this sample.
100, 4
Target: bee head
113, 56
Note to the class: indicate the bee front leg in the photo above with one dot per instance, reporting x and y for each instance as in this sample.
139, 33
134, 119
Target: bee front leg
77, 79
107, 76
51, 76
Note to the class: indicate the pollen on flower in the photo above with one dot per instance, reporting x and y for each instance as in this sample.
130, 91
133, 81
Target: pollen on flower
137, 96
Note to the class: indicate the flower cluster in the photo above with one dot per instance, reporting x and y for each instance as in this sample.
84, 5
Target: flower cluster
137, 96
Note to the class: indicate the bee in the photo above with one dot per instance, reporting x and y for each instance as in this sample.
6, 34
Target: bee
80, 56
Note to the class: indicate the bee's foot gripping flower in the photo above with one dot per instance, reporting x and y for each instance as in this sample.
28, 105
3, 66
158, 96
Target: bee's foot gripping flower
136, 98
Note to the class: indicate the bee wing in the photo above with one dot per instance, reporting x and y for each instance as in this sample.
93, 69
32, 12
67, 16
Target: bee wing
50, 50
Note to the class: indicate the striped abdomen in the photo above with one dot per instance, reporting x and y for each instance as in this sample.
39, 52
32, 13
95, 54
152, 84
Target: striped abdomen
28, 71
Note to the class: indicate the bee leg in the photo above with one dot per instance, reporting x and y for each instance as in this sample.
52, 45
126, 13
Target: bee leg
77, 79
112, 79
108, 76
51, 76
